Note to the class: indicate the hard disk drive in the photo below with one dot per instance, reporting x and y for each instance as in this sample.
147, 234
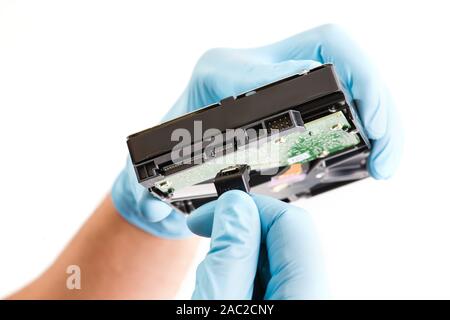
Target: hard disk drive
296, 137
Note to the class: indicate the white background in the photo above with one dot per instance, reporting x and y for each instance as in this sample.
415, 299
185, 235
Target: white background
76, 77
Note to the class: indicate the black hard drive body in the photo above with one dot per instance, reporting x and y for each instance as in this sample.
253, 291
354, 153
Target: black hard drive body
299, 137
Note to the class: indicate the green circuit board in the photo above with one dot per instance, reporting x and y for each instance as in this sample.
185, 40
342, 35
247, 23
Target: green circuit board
321, 137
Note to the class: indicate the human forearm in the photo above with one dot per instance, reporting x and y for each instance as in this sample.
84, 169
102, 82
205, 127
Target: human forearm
116, 260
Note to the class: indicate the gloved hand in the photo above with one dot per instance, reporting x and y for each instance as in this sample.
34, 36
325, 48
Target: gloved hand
220, 73
257, 235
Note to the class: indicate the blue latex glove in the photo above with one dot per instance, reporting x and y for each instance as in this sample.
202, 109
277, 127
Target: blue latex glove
253, 235
138, 206
220, 73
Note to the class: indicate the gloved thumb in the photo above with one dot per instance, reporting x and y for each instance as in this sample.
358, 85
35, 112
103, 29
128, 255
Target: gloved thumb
228, 270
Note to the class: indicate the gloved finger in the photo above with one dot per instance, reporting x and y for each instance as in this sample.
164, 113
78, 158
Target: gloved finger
201, 220
132, 199
160, 218
172, 227
155, 216
330, 44
228, 271
386, 152
151, 208
135, 202
293, 250
152, 215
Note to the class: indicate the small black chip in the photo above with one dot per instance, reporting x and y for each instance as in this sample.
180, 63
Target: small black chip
233, 178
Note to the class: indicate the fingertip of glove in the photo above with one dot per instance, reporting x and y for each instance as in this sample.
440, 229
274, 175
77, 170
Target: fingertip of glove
376, 127
235, 196
374, 117
237, 210
200, 220
386, 154
379, 170
153, 210
235, 205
